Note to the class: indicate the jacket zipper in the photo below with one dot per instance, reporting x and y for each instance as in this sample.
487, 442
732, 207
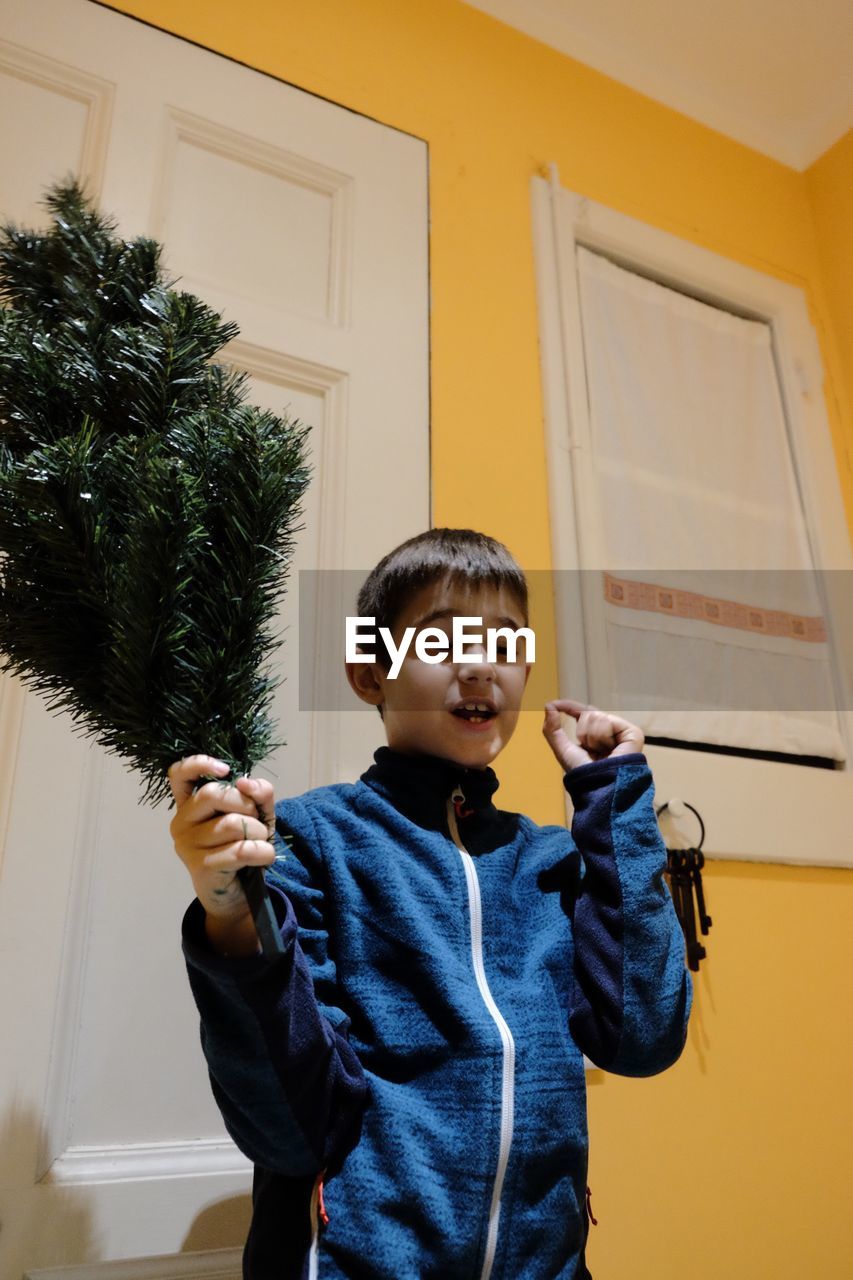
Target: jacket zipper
508, 1081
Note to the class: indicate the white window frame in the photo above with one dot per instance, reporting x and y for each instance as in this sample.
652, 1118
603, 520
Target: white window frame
758, 810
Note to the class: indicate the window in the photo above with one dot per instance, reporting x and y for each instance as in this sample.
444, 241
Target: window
618, 300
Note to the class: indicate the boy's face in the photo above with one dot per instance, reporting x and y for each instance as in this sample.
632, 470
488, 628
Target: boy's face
420, 707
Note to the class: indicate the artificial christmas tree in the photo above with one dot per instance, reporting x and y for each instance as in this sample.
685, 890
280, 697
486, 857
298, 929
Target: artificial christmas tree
147, 513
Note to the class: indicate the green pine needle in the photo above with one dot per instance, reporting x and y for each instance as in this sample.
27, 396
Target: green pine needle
148, 514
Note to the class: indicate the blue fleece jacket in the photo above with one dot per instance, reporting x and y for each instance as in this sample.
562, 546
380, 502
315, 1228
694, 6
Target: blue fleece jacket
420, 1040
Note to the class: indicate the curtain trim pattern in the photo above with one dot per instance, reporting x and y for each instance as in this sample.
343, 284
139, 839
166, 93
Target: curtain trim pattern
649, 597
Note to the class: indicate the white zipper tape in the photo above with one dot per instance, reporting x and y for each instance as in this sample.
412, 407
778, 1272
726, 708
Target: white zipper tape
508, 1077
314, 1253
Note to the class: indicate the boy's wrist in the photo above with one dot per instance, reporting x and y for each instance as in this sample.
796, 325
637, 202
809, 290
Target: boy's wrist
231, 935
598, 770
207, 956
226, 902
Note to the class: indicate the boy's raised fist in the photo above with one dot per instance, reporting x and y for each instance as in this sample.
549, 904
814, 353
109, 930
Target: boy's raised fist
599, 734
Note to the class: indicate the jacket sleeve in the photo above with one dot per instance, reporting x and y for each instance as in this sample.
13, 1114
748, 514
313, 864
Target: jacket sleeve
632, 991
288, 1083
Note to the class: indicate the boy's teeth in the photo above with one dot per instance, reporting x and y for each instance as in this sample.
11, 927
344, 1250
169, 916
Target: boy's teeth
474, 712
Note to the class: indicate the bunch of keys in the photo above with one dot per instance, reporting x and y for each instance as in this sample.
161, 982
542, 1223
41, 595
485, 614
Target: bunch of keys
685, 871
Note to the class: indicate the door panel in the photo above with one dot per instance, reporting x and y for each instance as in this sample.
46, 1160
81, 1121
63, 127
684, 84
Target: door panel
307, 224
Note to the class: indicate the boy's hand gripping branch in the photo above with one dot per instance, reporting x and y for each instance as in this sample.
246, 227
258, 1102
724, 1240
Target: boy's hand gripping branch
221, 835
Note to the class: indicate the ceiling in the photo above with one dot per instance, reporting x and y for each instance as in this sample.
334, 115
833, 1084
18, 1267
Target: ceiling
776, 75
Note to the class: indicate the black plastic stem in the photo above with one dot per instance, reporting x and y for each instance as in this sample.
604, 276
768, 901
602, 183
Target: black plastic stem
255, 889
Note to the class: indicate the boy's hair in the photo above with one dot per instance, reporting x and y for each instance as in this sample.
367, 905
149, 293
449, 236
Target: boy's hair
463, 556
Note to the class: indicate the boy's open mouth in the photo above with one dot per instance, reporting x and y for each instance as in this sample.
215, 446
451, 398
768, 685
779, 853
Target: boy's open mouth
476, 712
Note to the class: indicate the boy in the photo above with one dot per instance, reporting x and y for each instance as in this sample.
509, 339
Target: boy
419, 1045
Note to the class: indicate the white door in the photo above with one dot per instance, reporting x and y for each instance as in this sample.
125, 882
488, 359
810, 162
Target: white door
307, 224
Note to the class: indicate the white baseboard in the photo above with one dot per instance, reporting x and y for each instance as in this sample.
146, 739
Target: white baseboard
215, 1264
131, 1162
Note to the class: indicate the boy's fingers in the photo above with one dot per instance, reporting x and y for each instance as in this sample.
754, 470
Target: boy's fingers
261, 792
243, 853
226, 829
569, 706
597, 732
594, 721
568, 754
215, 798
552, 719
629, 737
553, 723
211, 801
183, 775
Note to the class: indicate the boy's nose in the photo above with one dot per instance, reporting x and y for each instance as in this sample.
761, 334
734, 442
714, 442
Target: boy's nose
473, 672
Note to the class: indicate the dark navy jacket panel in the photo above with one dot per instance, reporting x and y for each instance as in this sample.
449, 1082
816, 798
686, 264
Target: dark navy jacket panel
582, 953
279, 1243
631, 996
290, 1088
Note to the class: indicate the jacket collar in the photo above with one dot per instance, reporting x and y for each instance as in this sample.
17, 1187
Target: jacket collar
419, 786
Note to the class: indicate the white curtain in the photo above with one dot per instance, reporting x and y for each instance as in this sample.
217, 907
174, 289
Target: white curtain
711, 606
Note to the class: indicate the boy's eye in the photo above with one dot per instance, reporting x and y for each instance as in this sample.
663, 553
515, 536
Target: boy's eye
501, 647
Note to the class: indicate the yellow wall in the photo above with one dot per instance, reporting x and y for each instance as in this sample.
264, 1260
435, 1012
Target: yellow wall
733, 1163
830, 186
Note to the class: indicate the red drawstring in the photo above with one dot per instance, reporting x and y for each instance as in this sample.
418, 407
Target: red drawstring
593, 1220
457, 805
321, 1208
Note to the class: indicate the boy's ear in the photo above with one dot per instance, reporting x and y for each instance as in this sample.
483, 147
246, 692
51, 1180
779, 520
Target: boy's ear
363, 682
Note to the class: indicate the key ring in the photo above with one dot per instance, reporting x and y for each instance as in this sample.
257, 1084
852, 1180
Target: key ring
698, 815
